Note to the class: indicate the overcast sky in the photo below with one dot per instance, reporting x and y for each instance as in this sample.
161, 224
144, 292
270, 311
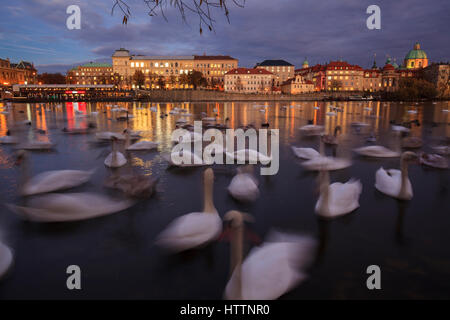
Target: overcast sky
321, 30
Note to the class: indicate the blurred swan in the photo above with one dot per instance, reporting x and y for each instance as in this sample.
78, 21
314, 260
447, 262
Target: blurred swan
332, 139
326, 163
37, 145
49, 181
442, 150
60, 207
271, 269
396, 183
244, 186
6, 259
399, 128
412, 142
9, 139
311, 129
189, 137
377, 152
193, 159
132, 185
197, 228
433, 160
115, 159
305, 153
245, 155
141, 145
338, 198
109, 135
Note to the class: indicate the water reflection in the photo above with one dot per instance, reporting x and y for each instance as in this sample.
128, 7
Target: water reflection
112, 247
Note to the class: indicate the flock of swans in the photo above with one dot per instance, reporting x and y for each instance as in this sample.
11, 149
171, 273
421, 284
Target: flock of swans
270, 269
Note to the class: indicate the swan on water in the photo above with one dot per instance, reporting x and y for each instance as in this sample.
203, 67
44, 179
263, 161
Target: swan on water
326, 163
337, 199
269, 270
332, 139
396, 183
433, 160
311, 129
49, 181
6, 259
244, 186
116, 158
197, 228
193, 160
141, 145
377, 152
55, 207
305, 153
132, 185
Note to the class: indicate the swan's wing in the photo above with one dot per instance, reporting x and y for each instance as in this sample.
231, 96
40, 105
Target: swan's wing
344, 197
70, 207
55, 180
190, 230
6, 259
244, 187
305, 153
388, 182
268, 271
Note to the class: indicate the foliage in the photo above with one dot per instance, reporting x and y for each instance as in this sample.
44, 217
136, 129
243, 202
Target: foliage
196, 79
203, 9
412, 89
139, 78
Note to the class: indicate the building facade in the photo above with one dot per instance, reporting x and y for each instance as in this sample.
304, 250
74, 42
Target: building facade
281, 69
17, 73
297, 85
167, 71
245, 80
92, 74
439, 75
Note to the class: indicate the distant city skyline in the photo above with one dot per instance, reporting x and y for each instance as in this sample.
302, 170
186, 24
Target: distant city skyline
35, 31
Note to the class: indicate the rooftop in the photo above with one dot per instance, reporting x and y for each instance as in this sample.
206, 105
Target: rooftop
274, 63
213, 58
142, 57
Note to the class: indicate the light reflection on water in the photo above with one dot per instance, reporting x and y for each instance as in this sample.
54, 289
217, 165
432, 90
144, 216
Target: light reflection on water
116, 253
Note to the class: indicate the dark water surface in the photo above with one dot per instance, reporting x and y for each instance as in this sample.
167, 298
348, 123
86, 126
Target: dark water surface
408, 240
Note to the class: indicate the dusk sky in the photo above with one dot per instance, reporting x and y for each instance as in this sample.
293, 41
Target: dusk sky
35, 30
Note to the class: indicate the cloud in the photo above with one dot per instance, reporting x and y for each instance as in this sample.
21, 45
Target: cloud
287, 29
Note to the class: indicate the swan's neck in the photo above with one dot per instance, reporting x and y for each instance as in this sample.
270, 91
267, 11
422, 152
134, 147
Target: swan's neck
208, 201
114, 153
324, 191
24, 172
127, 140
404, 178
237, 253
336, 131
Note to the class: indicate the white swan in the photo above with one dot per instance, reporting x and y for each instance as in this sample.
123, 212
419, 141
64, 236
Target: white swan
326, 163
269, 270
244, 186
197, 228
305, 153
55, 207
37, 145
396, 183
311, 129
102, 136
377, 152
177, 159
245, 155
116, 158
49, 181
6, 259
442, 150
338, 198
141, 145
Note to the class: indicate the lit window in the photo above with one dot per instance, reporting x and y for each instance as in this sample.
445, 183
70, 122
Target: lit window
132, 64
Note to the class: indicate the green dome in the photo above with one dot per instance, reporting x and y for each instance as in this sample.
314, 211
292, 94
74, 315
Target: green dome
416, 53
305, 63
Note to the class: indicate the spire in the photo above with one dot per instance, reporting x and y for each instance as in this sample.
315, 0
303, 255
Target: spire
374, 66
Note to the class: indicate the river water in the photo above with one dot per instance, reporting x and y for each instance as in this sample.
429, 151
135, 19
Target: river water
407, 240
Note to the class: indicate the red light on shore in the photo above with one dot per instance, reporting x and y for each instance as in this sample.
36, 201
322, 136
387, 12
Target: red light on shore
75, 92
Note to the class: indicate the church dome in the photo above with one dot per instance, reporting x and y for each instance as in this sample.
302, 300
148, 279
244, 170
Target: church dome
305, 64
416, 53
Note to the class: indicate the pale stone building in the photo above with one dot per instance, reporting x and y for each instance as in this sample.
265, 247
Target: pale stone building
281, 69
247, 80
297, 85
170, 68
17, 73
